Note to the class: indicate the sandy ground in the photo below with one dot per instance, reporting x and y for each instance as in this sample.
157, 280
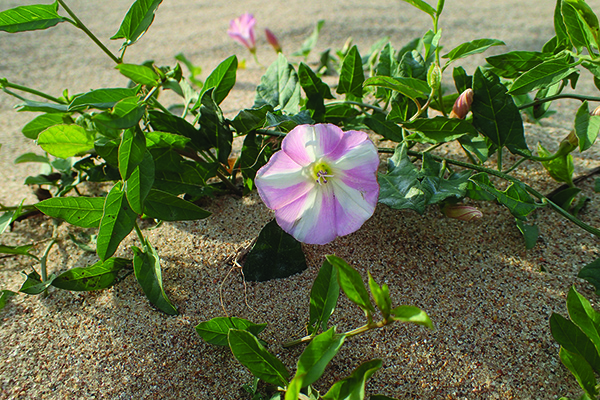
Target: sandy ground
489, 298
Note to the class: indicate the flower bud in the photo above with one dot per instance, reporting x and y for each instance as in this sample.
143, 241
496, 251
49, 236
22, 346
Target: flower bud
568, 144
462, 105
462, 212
272, 39
434, 77
596, 111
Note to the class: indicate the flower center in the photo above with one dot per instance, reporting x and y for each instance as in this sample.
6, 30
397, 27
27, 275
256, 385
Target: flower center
321, 172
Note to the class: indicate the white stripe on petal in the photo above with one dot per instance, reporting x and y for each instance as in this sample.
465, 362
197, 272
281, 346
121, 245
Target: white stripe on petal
354, 207
310, 219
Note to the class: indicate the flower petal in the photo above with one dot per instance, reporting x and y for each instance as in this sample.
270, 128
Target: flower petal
311, 218
281, 181
353, 207
306, 144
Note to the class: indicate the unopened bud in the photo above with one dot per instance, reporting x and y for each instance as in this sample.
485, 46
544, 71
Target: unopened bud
596, 111
462, 105
434, 77
462, 212
568, 144
272, 39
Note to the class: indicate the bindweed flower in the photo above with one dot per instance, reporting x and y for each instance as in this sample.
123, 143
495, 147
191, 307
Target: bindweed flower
462, 105
272, 39
462, 212
241, 29
322, 183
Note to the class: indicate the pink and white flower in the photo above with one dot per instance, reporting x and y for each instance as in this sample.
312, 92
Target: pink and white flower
241, 29
322, 183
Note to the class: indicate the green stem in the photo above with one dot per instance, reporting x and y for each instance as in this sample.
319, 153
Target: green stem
515, 165
84, 28
499, 160
139, 233
509, 178
359, 104
14, 208
353, 332
44, 258
6, 84
558, 96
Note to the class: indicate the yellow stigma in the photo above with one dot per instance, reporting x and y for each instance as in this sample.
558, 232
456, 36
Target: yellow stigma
320, 172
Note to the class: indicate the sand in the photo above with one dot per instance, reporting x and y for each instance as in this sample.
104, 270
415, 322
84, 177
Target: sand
489, 298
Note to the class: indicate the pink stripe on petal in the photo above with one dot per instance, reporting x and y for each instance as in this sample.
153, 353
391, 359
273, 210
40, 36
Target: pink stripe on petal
349, 140
310, 219
328, 138
300, 144
281, 181
353, 207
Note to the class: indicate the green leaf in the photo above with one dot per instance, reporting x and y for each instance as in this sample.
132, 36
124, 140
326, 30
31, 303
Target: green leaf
409, 87
215, 330
352, 284
137, 21
559, 24
591, 273
413, 315
174, 124
314, 359
423, 6
400, 187
167, 207
311, 41
336, 113
276, 254
324, 295
584, 316
139, 73
381, 295
353, 387
131, 151
165, 139
33, 284
352, 74
253, 355
41, 123
125, 114
560, 169
279, 87
98, 276
255, 154
543, 75
285, 122
530, 233
40, 106
316, 91
222, 79
85, 212
66, 140
578, 29
495, 114
512, 64
515, 197
251, 119
586, 127
469, 48
117, 221
146, 265
5, 220
140, 183
214, 127
190, 177
4, 296
102, 99
440, 129
19, 250
382, 126
30, 18
31, 157
581, 370
571, 338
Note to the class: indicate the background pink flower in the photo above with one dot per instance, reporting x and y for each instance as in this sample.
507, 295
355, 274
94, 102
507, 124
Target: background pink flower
322, 183
241, 29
